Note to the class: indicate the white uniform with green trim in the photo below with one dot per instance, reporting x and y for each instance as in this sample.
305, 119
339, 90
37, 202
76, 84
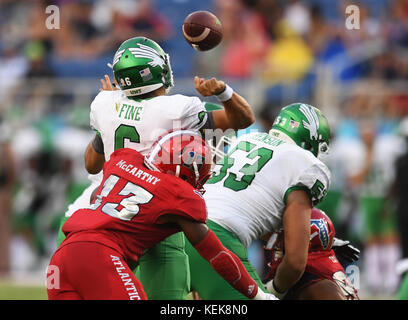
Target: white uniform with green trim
248, 190
122, 122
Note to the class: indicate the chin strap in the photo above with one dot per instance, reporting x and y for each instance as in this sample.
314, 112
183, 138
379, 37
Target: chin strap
196, 172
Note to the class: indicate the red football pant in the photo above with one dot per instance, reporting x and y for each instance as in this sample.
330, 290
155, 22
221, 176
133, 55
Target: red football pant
91, 271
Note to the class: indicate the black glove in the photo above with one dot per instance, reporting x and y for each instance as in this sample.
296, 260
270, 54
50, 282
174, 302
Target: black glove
344, 250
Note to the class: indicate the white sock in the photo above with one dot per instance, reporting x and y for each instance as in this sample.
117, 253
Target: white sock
372, 267
390, 254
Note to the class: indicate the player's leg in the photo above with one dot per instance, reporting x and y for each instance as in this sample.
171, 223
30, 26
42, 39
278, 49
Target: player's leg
390, 251
371, 210
403, 290
92, 271
321, 290
58, 285
205, 280
164, 270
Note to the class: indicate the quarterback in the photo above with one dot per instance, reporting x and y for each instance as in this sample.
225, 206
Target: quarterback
266, 181
141, 201
134, 117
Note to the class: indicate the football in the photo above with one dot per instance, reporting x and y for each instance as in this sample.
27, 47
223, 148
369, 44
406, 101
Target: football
202, 30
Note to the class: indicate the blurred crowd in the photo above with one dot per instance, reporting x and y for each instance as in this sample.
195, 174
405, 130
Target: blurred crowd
279, 51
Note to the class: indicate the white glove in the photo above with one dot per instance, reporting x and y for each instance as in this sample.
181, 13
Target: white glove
271, 288
260, 295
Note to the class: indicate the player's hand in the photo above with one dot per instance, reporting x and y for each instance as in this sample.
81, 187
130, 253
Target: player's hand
107, 84
264, 296
345, 250
209, 87
270, 296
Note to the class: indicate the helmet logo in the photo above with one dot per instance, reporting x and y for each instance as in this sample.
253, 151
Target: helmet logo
312, 123
319, 228
117, 56
148, 53
190, 156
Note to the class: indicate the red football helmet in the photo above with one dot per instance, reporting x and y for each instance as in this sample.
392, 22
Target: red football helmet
321, 231
184, 154
321, 239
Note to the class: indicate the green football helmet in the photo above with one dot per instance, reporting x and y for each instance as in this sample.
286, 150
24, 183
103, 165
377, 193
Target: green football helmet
305, 125
140, 66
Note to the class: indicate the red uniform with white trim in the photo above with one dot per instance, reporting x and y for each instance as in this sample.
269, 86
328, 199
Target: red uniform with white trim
322, 262
136, 198
121, 223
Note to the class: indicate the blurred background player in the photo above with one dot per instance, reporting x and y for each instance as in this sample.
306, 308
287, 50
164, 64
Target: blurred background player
399, 193
382, 251
267, 181
7, 176
140, 202
324, 277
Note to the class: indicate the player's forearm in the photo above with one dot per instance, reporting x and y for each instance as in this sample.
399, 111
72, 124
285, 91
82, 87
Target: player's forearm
288, 273
238, 112
227, 265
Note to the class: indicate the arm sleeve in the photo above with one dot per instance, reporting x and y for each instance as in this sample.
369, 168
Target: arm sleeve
227, 265
97, 144
209, 123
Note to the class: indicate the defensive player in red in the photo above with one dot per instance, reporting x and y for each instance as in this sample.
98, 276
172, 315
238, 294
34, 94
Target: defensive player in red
324, 277
140, 202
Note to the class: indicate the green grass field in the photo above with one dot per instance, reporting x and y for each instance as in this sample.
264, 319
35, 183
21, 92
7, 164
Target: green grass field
12, 291
15, 291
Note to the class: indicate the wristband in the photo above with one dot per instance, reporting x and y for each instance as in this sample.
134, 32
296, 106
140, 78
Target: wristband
226, 94
270, 286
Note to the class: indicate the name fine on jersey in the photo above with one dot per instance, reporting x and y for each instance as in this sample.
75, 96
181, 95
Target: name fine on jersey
128, 111
138, 173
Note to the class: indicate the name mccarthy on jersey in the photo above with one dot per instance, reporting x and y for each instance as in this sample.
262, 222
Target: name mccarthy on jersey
136, 172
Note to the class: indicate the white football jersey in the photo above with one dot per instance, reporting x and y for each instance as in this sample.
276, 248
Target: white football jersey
137, 124
248, 190
126, 123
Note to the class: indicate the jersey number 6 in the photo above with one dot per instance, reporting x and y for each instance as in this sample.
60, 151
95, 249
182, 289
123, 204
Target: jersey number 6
125, 132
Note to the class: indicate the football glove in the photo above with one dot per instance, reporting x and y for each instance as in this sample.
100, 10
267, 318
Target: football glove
344, 250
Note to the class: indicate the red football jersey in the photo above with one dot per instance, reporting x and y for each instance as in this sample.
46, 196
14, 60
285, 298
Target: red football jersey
128, 204
322, 264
